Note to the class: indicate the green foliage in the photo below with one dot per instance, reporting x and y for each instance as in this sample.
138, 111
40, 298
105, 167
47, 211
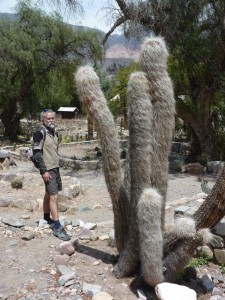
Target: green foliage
119, 87
39, 54
194, 32
197, 262
222, 268
104, 79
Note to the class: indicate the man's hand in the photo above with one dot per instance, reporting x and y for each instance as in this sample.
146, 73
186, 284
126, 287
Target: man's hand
46, 177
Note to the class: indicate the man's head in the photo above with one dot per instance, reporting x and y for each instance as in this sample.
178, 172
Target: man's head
48, 118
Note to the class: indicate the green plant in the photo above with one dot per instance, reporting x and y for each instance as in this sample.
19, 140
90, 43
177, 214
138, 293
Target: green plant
222, 268
110, 242
199, 261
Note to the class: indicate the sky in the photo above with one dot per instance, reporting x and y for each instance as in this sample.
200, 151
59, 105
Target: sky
93, 16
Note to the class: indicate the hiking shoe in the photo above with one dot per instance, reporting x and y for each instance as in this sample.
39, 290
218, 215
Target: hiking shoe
61, 234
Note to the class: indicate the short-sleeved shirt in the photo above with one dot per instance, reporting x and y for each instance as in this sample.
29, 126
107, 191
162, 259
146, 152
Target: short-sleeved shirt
49, 148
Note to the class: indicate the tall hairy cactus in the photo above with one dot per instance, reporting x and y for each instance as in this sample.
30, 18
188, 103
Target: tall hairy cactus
88, 87
138, 198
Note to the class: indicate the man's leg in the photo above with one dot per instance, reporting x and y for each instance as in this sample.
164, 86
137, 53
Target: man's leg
46, 208
53, 188
54, 210
53, 207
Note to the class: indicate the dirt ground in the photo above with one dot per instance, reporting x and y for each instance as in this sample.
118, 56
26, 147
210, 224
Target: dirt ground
27, 268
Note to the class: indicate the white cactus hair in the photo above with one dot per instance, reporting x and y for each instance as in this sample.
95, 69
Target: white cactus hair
205, 236
150, 235
151, 50
184, 227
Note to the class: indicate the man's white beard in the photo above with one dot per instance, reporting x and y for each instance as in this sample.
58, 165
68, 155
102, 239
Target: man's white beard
50, 125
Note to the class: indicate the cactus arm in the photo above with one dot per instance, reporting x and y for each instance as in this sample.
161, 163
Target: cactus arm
89, 90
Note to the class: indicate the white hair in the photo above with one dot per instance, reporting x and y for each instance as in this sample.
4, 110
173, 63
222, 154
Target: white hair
42, 115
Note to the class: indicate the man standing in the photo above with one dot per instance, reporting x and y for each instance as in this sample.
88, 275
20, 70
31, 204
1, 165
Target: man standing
45, 153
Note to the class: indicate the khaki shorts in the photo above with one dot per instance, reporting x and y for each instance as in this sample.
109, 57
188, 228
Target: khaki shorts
55, 184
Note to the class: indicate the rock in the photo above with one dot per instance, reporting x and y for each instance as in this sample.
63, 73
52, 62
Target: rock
5, 164
217, 276
68, 193
42, 223
75, 188
195, 168
62, 206
67, 248
69, 227
61, 197
25, 217
62, 270
28, 236
102, 296
220, 256
219, 229
40, 204
77, 222
97, 206
180, 210
103, 237
60, 260
25, 204
170, 291
71, 208
4, 154
216, 297
85, 234
66, 277
216, 292
12, 222
5, 202
64, 221
207, 283
9, 177
205, 251
91, 289
216, 241
90, 226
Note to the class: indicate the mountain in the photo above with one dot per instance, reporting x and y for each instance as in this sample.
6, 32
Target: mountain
117, 45
119, 50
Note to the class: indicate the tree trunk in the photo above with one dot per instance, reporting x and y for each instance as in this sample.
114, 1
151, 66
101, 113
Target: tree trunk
11, 120
90, 128
213, 208
201, 133
177, 252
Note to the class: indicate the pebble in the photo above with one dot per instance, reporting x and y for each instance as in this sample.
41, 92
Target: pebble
25, 217
102, 296
103, 237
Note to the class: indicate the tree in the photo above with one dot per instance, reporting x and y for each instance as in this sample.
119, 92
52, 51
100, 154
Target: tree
39, 54
189, 27
118, 101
